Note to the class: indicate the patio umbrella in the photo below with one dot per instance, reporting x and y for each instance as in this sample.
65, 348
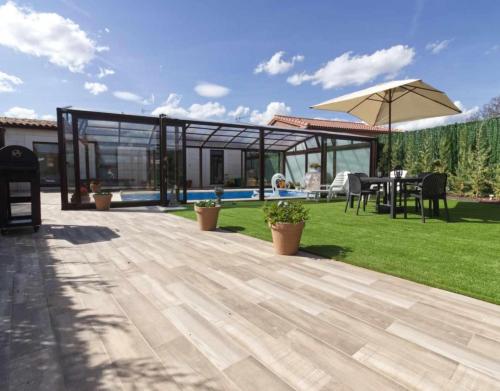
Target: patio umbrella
394, 101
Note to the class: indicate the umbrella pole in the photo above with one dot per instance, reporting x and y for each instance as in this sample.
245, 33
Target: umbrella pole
390, 131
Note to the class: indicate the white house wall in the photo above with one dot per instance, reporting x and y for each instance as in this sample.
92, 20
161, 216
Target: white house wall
26, 137
193, 166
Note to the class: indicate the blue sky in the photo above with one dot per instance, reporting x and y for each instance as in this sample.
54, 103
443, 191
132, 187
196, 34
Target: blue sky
239, 59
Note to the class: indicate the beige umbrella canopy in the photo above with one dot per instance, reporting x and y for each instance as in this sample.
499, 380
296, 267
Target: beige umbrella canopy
394, 101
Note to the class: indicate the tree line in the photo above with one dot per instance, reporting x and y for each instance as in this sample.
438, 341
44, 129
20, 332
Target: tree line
468, 152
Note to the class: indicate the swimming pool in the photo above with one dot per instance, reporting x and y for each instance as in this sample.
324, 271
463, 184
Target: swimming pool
197, 195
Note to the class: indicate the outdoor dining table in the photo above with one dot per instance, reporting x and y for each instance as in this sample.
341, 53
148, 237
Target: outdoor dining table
390, 187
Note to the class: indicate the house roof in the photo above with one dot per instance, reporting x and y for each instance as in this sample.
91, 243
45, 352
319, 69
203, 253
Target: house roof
27, 123
359, 128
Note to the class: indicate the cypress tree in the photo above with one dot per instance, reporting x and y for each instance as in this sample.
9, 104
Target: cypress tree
426, 155
445, 152
479, 164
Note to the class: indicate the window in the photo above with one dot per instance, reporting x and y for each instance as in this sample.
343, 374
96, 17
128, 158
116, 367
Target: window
47, 154
216, 167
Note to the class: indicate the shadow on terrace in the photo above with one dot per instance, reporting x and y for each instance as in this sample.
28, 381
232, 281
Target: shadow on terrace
50, 339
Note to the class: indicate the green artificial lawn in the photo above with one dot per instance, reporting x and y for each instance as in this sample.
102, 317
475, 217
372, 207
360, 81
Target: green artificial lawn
461, 256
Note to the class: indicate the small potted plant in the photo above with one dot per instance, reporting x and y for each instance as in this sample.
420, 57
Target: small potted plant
102, 200
286, 220
95, 186
207, 214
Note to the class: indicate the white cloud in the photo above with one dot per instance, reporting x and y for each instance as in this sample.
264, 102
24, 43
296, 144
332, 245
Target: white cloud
439, 121
438, 46
131, 97
44, 34
349, 69
100, 49
8, 82
95, 88
273, 108
214, 110
103, 72
107, 30
172, 108
276, 64
492, 49
21, 112
210, 90
239, 113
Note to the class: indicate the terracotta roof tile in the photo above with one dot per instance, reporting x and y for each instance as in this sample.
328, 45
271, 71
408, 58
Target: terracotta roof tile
325, 124
27, 123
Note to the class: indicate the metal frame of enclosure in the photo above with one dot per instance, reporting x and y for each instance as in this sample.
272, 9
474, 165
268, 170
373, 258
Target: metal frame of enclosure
120, 143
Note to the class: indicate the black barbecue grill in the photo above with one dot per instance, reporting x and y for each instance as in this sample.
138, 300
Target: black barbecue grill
19, 188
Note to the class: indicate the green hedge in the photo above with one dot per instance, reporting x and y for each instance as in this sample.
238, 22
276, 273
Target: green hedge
469, 152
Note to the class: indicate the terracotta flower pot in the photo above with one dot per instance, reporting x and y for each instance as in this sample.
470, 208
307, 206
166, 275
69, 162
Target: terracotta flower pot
286, 237
207, 217
102, 201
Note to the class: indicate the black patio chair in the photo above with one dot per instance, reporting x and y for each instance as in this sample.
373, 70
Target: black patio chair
356, 189
432, 188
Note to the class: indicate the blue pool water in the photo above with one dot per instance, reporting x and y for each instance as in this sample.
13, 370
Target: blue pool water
210, 195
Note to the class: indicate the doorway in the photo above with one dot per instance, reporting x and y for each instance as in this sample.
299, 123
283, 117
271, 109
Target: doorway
216, 167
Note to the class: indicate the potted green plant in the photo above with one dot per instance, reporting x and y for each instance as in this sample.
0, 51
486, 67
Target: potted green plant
95, 186
102, 200
207, 214
287, 221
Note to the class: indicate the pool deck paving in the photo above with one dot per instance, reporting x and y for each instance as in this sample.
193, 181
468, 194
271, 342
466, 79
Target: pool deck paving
137, 299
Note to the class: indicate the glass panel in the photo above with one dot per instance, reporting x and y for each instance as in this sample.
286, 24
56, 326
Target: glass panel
312, 143
216, 167
252, 169
330, 166
67, 120
295, 168
272, 164
174, 158
122, 157
354, 160
48, 155
313, 158
301, 147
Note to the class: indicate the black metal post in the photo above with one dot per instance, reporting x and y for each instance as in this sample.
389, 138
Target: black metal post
283, 163
163, 162
323, 159
200, 168
87, 165
262, 166
63, 177
76, 158
184, 164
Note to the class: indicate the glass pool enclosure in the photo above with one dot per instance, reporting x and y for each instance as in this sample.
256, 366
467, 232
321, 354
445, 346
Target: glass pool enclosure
148, 160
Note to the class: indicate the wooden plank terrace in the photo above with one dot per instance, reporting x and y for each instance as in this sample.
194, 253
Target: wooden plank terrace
141, 300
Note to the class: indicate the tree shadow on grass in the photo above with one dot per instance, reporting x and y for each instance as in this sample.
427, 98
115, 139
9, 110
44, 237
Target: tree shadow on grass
462, 212
474, 212
327, 250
